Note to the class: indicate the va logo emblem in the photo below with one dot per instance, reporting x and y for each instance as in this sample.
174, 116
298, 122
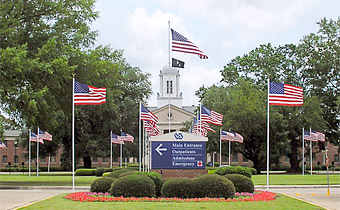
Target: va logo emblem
178, 136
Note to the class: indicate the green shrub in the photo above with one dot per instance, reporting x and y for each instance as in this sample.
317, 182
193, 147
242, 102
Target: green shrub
241, 183
234, 170
99, 171
108, 170
106, 174
85, 172
253, 171
157, 179
102, 184
133, 186
117, 172
213, 186
179, 188
130, 172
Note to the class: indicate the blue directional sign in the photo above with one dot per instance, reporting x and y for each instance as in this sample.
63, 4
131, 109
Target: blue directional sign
178, 155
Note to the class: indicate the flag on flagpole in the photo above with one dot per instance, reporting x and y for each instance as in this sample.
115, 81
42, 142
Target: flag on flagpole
285, 95
314, 136
2, 145
231, 136
88, 95
181, 44
125, 137
146, 115
34, 138
177, 63
153, 129
47, 136
115, 140
211, 116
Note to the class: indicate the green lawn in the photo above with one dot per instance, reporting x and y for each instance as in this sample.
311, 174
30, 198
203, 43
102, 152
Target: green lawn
287, 179
25, 180
282, 202
57, 180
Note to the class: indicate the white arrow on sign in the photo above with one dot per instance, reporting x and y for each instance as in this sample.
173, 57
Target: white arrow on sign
159, 149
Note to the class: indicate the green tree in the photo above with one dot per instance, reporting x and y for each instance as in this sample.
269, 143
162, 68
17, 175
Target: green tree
43, 43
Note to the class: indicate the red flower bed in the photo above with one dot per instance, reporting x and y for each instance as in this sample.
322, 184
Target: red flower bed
105, 197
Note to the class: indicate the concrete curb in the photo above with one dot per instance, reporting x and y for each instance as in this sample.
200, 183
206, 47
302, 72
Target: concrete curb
263, 187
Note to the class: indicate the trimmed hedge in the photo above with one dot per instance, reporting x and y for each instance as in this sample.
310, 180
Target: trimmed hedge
241, 183
179, 188
133, 186
106, 174
102, 184
99, 171
157, 179
85, 172
234, 170
210, 185
108, 170
116, 173
213, 186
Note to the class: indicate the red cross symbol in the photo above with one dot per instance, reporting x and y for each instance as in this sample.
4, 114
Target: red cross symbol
199, 163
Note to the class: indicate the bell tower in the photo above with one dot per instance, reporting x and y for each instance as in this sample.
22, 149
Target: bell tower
169, 86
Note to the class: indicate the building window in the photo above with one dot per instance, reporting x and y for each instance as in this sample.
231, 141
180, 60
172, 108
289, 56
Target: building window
95, 159
336, 158
4, 159
53, 159
5, 142
16, 159
167, 131
168, 88
244, 159
43, 160
235, 157
105, 159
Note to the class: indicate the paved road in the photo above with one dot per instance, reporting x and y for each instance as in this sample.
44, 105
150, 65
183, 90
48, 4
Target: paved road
313, 194
15, 198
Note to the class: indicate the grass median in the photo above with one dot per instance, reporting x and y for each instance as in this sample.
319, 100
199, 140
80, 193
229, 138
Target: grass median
282, 202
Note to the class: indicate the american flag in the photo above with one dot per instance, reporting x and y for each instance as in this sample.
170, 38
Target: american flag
211, 116
200, 128
181, 44
2, 145
45, 135
146, 115
314, 136
231, 136
125, 137
34, 138
153, 129
115, 140
285, 95
88, 95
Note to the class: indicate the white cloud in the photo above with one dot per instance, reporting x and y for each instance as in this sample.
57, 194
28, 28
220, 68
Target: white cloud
222, 29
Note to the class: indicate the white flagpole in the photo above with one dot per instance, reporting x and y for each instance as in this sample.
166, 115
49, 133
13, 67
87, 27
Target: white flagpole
229, 151
268, 134
303, 151
311, 154
220, 147
143, 151
49, 163
73, 155
121, 151
111, 149
168, 83
29, 153
139, 138
200, 121
38, 152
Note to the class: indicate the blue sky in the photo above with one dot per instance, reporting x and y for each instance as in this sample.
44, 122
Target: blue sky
223, 29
